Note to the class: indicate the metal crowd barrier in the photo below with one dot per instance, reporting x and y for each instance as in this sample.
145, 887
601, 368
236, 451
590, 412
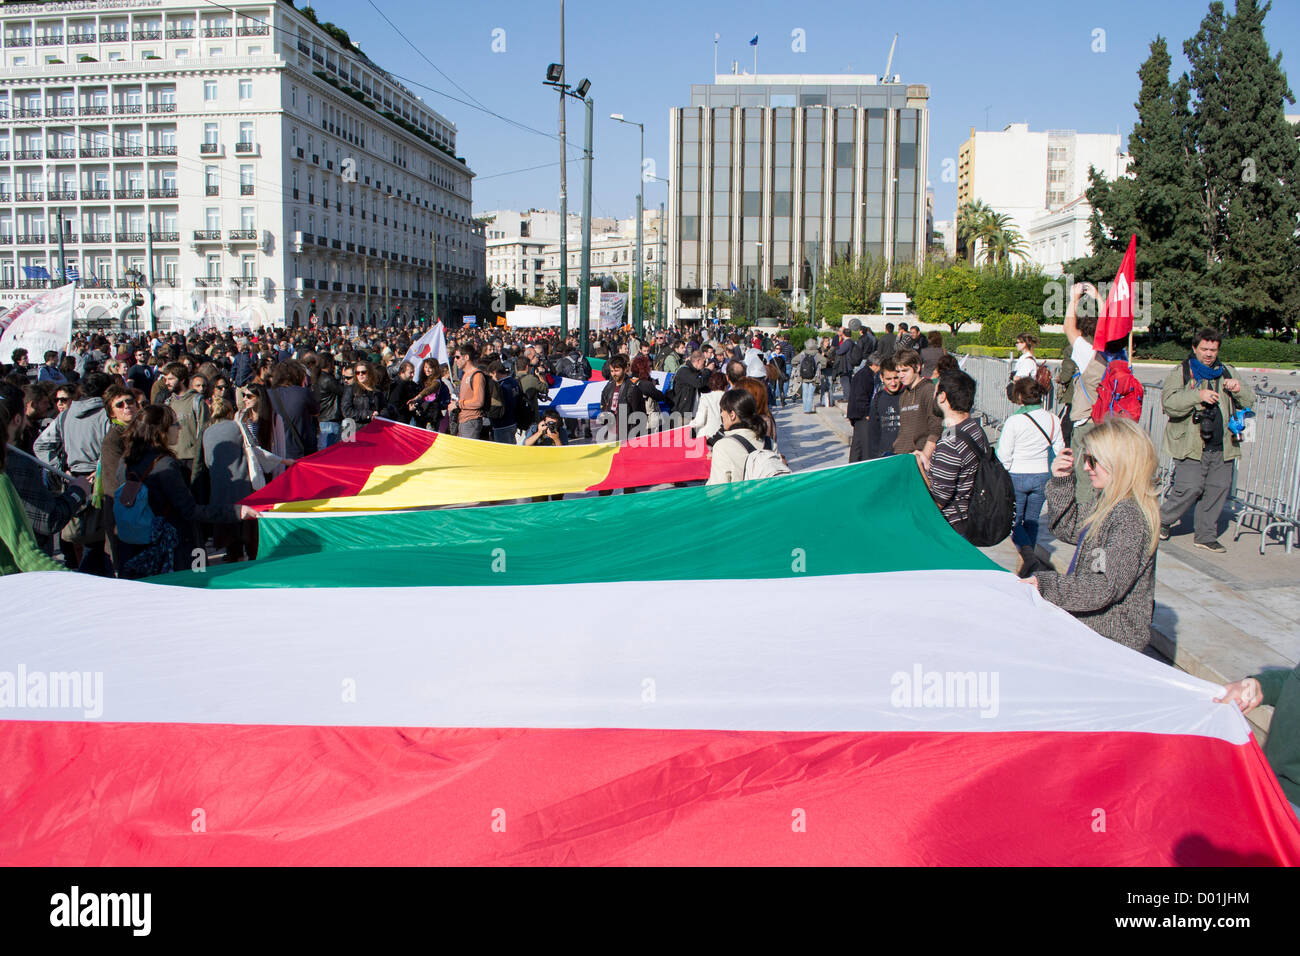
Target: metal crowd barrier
1265, 493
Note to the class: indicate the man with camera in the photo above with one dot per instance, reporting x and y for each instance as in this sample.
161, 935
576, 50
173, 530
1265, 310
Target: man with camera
1200, 398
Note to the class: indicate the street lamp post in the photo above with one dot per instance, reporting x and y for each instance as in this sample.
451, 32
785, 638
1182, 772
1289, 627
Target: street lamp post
555, 78
638, 318
661, 313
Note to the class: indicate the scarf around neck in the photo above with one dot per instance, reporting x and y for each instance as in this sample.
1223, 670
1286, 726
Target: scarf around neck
1025, 409
1204, 373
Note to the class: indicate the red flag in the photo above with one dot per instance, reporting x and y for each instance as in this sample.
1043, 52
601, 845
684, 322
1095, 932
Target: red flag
1116, 320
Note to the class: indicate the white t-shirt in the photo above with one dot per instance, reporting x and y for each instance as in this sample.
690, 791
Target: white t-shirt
1026, 367
1081, 352
1022, 449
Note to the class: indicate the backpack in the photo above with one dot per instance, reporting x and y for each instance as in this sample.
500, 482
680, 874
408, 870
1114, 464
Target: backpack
855, 354
992, 508
511, 399
131, 512
1043, 376
761, 462
808, 367
1120, 393
495, 405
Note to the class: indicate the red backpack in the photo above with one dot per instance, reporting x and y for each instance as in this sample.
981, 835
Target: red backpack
1120, 393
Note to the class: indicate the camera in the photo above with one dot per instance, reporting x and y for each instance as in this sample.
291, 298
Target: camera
1204, 417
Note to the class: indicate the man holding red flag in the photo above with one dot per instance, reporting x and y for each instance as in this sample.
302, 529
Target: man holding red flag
1115, 324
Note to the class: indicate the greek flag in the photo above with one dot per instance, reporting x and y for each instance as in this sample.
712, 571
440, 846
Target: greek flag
72, 274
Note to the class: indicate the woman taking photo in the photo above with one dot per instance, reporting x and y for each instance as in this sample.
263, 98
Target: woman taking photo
1110, 584
362, 400
1029, 439
147, 459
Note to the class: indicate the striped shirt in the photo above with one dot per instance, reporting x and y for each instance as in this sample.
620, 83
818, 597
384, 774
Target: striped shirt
952, 469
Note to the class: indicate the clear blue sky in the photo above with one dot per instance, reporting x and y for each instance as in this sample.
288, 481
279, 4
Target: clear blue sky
1022, 61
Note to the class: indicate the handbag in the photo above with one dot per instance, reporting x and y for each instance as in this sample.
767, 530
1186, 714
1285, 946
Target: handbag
1051, 451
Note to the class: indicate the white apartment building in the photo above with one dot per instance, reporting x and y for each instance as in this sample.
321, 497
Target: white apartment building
523, 247
1033, 177
613, 253
271, 163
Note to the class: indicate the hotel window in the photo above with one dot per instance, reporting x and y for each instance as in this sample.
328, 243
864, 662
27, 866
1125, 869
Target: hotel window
245, 89
214, 266
212, 219
210, 133
246, 220
209, 91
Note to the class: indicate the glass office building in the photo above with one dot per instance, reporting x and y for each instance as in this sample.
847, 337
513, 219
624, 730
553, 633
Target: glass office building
773, 173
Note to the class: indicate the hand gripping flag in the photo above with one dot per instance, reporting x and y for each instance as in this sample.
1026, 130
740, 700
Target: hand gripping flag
1116, 320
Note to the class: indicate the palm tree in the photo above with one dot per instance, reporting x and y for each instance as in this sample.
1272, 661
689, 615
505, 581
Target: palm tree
1001, 238
971, 220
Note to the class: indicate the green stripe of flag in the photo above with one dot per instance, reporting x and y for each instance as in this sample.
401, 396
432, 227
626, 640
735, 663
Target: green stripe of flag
869, 517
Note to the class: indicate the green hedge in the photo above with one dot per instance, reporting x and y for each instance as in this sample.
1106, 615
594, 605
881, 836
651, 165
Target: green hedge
1238, 351
800, 334
1002, 351
1005, 329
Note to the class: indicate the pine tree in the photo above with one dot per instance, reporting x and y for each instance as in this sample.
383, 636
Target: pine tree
1158, 202
1260, 162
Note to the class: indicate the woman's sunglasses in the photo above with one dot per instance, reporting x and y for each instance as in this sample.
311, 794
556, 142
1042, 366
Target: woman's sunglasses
1090, 461
125, 403
62, 400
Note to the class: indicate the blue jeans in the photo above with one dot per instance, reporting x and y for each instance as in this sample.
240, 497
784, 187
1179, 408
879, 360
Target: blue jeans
1030, 498
808, 392
330, 434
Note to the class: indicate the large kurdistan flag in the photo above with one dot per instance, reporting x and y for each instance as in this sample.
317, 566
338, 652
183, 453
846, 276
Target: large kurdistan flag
804, 669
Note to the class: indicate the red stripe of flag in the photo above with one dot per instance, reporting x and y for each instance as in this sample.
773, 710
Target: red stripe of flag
343, 469
185, 794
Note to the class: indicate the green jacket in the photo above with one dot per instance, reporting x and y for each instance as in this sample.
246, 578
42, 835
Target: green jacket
1282, 692
1182, 435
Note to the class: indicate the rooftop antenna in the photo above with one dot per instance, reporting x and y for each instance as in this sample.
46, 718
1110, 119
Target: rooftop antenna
890, 61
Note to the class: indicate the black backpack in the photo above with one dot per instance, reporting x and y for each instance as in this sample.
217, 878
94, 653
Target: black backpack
992, 509
855, 354
808, 367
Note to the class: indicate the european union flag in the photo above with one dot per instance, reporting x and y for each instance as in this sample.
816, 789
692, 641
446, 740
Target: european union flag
754, 42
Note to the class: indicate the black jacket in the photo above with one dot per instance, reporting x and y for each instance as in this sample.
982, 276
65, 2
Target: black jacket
329, 395
170, 498
401, 393
361, 405
610, 402
861, 389
297, 406
882, 430
687, 386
